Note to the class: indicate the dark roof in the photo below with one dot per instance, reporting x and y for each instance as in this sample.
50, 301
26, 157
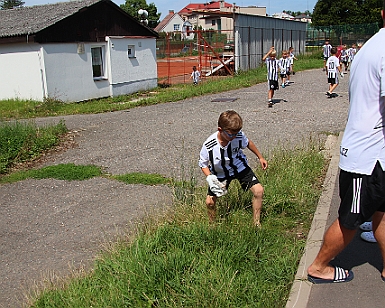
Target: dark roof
32, 19
165, 21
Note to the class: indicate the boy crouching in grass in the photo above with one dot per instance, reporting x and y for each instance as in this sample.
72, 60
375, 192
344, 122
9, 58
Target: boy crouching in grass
222, 160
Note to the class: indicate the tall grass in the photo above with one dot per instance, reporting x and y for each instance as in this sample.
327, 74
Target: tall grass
183, 261
20, 142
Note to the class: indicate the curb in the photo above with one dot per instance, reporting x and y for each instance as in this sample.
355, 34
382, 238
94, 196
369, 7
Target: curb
301, 288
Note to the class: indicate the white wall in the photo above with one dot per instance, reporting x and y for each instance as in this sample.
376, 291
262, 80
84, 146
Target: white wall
20, 73
132, 74
33, 71
175, 20
69, 74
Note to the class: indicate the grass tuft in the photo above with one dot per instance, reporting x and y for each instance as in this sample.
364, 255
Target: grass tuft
68, 172
21, 142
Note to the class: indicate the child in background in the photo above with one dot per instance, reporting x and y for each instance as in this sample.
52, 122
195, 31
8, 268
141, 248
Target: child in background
222, 160
195, 75
284, 65
333, 68
326, 53
272, 73
292, 58
344, 57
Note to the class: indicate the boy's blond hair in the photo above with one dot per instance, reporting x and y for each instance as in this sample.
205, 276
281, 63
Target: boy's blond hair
230, 120
273, 53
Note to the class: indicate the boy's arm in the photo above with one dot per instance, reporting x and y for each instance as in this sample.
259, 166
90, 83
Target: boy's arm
268, 53
206, 171
251, 146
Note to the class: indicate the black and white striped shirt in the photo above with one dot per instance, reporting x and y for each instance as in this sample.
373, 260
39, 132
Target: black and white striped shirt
332, 65
227, 161
272, 68
284, 64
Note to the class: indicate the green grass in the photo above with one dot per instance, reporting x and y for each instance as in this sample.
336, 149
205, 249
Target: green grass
23, 109
21, 142
72, 172
183, 261
180, 260
68, 172
142, 178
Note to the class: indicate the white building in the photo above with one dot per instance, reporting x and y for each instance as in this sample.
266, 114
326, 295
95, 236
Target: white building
74, 51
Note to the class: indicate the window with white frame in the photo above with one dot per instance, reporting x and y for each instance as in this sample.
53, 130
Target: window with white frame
97, 61
176, 27
131, 51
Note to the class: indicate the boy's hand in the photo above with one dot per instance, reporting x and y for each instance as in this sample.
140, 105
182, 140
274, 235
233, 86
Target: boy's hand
218, 188
263, 163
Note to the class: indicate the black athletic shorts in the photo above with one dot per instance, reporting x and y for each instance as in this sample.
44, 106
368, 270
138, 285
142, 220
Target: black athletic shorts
332, 81
273, 85
361, 195
246, 178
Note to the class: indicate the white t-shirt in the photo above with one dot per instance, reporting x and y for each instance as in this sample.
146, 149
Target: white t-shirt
363, 143
196, 76
224, 161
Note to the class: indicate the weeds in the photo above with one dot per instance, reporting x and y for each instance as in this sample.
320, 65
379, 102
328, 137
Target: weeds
20, 142
184, 261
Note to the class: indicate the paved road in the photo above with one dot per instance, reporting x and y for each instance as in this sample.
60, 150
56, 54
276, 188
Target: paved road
50, 227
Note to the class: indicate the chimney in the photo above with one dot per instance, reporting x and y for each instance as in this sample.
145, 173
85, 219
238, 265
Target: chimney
171, 11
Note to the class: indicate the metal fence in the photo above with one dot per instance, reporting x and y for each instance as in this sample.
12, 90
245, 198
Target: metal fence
340, 34
220, 53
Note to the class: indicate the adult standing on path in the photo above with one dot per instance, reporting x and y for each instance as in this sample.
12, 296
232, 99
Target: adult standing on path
362, 162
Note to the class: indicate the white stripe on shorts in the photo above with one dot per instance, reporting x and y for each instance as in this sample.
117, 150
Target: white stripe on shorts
356, 196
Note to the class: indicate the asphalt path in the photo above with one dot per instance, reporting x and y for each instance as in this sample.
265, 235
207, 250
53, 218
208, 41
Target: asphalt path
51, 228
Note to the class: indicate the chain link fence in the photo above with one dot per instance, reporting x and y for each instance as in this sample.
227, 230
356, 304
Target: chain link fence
339, 34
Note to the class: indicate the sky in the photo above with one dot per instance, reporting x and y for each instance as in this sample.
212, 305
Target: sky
163, 6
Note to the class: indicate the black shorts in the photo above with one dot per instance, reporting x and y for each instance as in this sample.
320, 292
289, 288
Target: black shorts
273, 85
361, 196
246, 178
332, 81
283, 75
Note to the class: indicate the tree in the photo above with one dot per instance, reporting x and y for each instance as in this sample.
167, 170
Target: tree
133, 6
10, 4
346, 12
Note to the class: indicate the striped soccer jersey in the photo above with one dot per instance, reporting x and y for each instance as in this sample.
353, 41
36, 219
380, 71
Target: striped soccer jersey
272, 68
284, 64
227, 161
326, 50
332, 65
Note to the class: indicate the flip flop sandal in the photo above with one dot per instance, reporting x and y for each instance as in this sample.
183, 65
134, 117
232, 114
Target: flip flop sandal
368, 237
340, 275
366, 226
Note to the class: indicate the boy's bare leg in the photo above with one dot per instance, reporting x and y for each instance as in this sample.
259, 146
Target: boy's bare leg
336, 239
211, 208
333, 87
379, 233
257, 191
